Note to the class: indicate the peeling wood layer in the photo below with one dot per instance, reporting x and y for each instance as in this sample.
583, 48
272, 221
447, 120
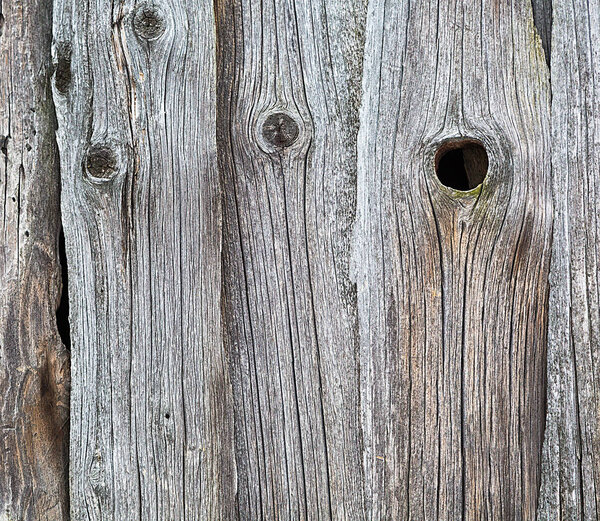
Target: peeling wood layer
34, 365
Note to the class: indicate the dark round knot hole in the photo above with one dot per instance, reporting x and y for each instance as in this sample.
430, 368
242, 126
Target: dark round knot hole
280, 130
148, 22
462, 164
101, 162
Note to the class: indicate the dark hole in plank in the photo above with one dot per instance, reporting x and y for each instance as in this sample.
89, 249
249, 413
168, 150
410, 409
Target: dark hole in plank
62, 313
462, 165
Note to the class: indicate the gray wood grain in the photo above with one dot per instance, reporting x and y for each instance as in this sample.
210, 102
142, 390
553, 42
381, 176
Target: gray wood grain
452, 286
571, 459
247, 346
290, 75
152, 427
34, 365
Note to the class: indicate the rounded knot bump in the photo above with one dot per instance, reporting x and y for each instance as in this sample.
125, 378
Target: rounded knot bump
280, 130
101, 162
149, 22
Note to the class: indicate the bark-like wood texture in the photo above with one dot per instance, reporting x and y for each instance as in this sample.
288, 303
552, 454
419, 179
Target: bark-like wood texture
571, 468
290, 74
34, 367
151, 405
452, 286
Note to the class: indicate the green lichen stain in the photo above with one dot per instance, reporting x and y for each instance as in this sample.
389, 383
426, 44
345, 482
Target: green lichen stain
535, 41
465, 194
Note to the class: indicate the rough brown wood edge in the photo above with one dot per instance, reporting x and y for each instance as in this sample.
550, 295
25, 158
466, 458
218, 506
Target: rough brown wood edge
34, 367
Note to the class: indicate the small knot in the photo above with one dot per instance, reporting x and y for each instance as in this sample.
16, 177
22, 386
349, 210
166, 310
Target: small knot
149, 22
62, 74
101, 162
280, 130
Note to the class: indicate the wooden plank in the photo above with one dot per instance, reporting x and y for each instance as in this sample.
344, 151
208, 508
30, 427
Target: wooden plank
151, 434
571, 459
289, 79
452, 286
34, 366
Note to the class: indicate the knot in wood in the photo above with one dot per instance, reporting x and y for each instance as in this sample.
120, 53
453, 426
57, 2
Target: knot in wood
149, 22
101, 162
280, 130
461, 163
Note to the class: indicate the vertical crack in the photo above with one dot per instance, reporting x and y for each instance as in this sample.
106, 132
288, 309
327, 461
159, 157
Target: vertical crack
542, 19
62, 312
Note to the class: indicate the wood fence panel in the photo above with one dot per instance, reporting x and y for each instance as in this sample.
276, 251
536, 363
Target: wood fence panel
151, 423
274, 315
452, 286
34, 366
290, 75
571, 460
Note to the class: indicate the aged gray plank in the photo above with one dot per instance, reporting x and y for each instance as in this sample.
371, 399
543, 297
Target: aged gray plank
452, 286
571, 458
152, 430
290, 81
34, 368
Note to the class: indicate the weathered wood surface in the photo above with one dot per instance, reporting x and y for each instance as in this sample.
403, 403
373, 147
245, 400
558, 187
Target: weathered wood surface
34, 368
452, 287
151, 407
571, 459
286, 378
290, 74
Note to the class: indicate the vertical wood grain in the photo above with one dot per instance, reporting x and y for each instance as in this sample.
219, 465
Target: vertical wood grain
34, 365
452, 286
571, 459
286, 378
152, 436
290, 306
